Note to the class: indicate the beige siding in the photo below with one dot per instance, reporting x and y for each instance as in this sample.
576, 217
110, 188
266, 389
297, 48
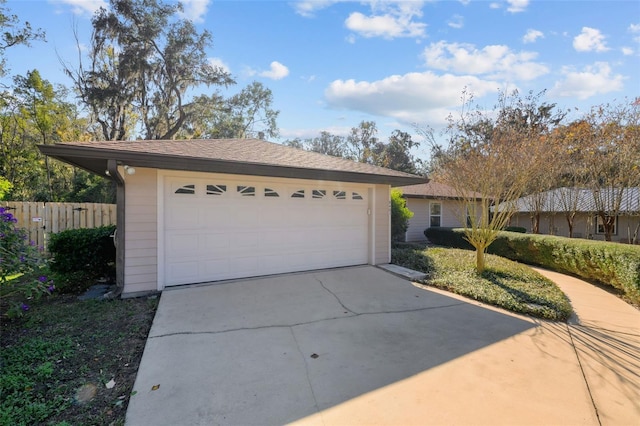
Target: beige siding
420, 221
382, 224
141, 239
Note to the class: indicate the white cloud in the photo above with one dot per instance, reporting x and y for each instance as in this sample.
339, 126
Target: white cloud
590, 39
516, 6
195, 10
389, 20
307, 8
82, 7
495, 61
596, 79
456, 21
635, 29
217, 62
532, 35
494, 5
410, 98
627, 51
276, 72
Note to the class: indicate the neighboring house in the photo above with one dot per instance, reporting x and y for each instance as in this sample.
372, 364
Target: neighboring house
433, 205
555, 204
207, 210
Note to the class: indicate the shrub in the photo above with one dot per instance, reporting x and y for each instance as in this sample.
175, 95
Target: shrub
519, 229
400, 215
80, 255
412, 258
612, 264
448, 238
22, 271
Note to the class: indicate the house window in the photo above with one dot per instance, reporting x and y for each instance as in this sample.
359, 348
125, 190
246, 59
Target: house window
600, 224
356, 196
435, 214
186, 189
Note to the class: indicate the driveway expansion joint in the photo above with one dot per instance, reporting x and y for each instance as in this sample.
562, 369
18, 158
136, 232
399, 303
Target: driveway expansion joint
306, 370
263, 327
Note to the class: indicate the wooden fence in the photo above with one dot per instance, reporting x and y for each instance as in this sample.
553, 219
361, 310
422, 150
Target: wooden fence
43, 219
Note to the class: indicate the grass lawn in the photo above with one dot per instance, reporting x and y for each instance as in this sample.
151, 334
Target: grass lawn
59, 361
504, 283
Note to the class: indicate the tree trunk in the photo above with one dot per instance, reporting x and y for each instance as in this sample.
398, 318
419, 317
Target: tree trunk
536, 224
480, 260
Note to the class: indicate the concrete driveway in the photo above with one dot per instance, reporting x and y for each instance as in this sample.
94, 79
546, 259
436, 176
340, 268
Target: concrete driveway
352, 346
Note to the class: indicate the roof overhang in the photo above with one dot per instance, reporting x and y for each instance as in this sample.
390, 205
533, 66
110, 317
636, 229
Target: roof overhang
95, 160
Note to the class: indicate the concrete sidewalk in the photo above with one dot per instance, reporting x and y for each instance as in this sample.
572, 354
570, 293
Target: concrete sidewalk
605, 333
362, 346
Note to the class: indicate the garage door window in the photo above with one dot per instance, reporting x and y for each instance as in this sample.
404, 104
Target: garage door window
186, 189
356, 196
298, 194
268, 192
340, 195
318, 193
247, 191
216, 189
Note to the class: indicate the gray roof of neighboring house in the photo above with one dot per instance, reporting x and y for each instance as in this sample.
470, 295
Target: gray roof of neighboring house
433, 190
239, 156
552, 201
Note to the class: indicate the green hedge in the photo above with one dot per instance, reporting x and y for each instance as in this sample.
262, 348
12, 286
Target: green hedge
80, 255
613, 264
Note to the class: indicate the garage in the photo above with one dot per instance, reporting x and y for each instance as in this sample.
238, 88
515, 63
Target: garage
195, 211
218, 227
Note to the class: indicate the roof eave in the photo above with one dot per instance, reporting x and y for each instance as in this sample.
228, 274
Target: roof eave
95, 161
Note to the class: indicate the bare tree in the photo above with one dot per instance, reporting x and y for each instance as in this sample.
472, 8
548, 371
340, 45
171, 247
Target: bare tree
612, 157
488, 158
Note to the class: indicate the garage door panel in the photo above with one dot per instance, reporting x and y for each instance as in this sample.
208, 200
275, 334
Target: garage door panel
183, 272
215, 241
182, 217
211, 234
178, 244
244, 240
248, 264
214, 267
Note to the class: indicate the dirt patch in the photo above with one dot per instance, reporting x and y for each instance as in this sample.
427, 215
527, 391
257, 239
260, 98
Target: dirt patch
84, 356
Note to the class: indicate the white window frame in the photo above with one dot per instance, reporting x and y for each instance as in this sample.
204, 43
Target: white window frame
433, 216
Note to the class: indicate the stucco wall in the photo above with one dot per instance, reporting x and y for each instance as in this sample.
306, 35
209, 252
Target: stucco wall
141, 239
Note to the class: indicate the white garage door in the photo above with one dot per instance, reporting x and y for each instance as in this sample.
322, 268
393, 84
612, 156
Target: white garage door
217, 228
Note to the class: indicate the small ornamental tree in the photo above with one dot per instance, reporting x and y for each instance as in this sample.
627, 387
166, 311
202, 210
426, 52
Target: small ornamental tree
490, 160
400, 215
19, 256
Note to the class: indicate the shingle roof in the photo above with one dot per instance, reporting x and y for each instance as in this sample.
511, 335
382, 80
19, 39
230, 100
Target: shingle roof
432, 189
241, 156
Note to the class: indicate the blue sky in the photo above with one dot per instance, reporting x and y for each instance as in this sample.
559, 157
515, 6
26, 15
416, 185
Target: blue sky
331, 64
